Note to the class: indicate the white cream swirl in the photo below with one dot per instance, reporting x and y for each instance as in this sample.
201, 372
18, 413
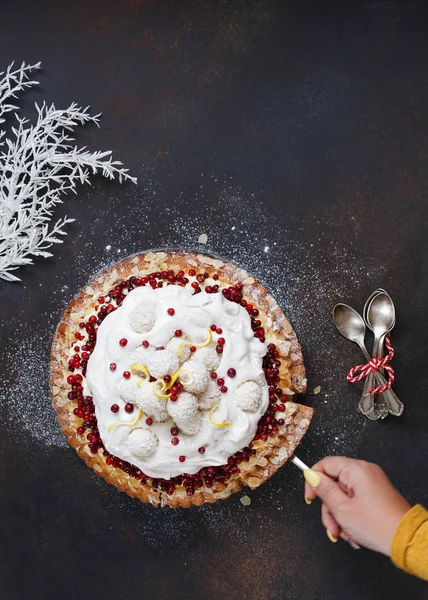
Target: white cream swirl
194, 315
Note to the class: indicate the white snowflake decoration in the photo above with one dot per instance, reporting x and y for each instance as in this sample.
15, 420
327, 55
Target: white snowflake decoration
38, 164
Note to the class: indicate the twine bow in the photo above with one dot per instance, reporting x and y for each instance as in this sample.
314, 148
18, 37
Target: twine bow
373, 366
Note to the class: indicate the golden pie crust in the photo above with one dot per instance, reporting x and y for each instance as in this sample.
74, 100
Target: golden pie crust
269, 456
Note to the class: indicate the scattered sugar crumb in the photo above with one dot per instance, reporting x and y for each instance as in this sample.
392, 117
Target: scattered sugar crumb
245, 500
317, 389
203, 238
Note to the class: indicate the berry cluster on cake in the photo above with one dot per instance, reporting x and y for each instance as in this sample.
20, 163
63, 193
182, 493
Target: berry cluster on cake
173, 376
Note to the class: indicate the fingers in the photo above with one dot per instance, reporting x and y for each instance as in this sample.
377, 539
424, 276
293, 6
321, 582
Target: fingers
337, 467
327, 489
330, 522
310, 493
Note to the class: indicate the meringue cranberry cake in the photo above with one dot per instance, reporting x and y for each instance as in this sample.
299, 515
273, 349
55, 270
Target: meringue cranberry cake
173, 376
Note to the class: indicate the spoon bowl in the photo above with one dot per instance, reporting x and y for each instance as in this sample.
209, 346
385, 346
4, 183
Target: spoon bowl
381, 314
369, 299
349, 323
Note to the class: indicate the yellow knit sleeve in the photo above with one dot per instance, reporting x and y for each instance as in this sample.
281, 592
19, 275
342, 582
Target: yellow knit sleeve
409, 549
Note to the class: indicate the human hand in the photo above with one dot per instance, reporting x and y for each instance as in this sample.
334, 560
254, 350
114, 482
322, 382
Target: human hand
358, 501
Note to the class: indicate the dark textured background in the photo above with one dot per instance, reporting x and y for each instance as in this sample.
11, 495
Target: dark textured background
295, 134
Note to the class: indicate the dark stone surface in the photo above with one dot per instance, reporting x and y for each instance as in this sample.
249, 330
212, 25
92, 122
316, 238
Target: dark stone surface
301, 127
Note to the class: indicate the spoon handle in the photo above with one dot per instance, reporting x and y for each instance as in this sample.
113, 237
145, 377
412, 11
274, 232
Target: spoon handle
380, 351
367, 401
395, 406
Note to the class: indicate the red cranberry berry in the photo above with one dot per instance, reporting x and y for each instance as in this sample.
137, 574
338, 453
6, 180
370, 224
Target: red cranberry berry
80, 430
192, 348
123, 342
215, 277
145, 343
231, 372
174, 431
171, 311
223, 389
192, 272
129, 408
113, 366
178, 333
167, 378
219, 349
175, 441
173, 397
201, 450
181, 458
114, 408
213, 375
126, 374
70, 379
149, 421
213, 327
220, 381
221, 341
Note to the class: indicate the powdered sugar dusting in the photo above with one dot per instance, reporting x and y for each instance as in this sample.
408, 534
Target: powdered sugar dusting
26, 395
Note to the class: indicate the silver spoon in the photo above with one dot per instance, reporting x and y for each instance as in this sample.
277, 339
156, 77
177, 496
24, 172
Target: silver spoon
351, 325
369, 401
381, 319
369, 299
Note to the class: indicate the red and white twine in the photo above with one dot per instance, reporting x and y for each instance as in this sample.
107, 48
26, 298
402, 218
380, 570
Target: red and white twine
375, 364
